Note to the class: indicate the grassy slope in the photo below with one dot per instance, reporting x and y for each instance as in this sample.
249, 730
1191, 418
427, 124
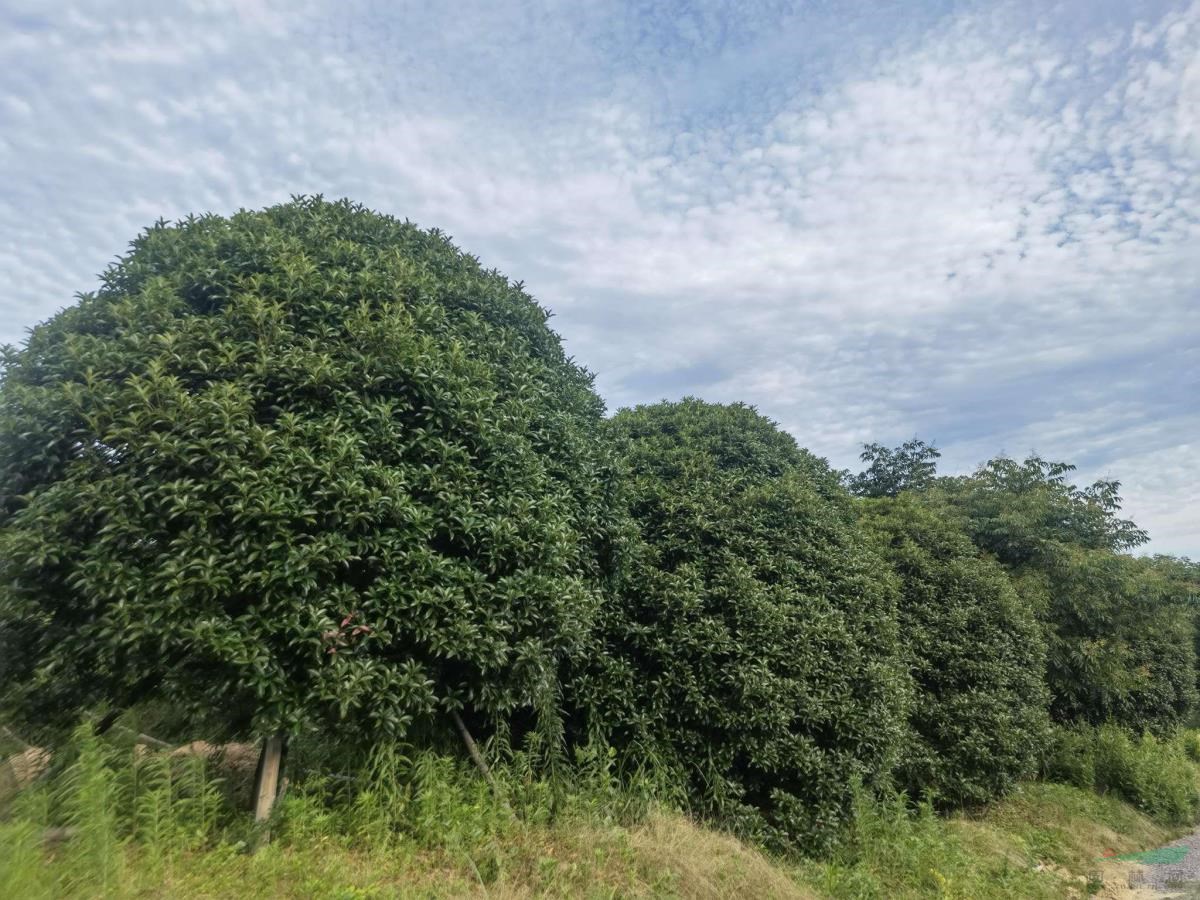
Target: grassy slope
162, 826
1045, 842
665, 857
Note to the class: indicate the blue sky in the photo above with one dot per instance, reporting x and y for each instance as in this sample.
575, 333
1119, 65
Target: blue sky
978, 223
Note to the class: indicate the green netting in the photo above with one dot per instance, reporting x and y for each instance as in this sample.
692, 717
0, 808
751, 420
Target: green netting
1160, 857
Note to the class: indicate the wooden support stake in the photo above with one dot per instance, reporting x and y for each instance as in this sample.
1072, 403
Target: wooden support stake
147, 740
266, 784
477, 758
13, 736
473, 750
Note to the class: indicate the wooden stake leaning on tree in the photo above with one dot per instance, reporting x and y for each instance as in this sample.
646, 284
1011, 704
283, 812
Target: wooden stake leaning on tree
477, 757
267, 781
473, 749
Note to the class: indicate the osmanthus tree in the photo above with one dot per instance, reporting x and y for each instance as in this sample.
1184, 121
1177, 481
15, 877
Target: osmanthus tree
299, 465
979, 718
752, 646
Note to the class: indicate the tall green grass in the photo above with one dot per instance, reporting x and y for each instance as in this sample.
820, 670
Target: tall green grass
404, 822
139, 820
897, 848
100, 802
1157, 775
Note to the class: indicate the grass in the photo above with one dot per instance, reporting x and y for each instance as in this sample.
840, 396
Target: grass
897, 851
1157, 775
427, 826
667, 856
1044, 841
1070, 827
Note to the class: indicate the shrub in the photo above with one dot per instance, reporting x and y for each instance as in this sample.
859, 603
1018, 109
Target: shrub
978, 719
299, 465
1071, 757
1190, 739
1153, 774
1118, 650
753, 643
1119, 633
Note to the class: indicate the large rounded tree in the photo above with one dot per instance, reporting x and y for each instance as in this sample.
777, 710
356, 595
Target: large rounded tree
301, 464
753, 644
979, 719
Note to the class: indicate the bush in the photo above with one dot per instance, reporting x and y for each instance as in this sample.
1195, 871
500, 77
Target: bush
1154, 774
300, 465
1190, 738
753, 646
1071, 757
979, 720
1119, 651
1119, 630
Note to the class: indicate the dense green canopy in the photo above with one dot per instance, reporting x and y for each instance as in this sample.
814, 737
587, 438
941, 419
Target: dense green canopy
1119, 640
313, 467
754, 643
297, 464
910, 467
1023, 512
1121, 643
979, 718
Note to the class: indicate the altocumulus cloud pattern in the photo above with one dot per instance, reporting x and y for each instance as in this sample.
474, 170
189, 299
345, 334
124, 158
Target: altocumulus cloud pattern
974, 222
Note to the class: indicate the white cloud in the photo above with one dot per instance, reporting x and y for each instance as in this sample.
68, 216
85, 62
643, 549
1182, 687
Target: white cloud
980, 228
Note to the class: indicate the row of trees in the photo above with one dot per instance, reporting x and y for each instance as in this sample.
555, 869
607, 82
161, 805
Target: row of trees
313, 469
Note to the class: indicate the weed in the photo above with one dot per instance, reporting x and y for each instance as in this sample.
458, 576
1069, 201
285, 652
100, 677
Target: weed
1156, 775
407, 822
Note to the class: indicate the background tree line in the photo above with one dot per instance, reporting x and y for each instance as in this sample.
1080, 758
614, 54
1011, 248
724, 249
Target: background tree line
313, 471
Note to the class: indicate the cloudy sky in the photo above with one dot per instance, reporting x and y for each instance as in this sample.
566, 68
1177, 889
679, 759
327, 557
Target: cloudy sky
978, 223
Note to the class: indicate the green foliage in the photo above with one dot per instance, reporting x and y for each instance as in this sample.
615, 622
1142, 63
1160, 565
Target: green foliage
1070, 756
1157, 775
753, 643
1118, 632
1023, 512
1120, 648
307, 464
1190, 738
909, 467
311, 469
979, 720
898, 849
105, 798
1176, 580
